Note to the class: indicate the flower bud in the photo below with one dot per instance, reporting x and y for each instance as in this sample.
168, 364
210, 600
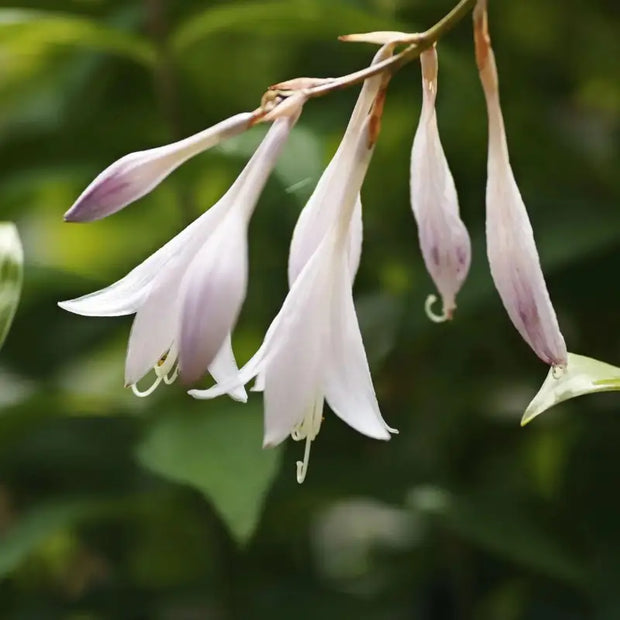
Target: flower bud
444, 240
136, 174
511, 248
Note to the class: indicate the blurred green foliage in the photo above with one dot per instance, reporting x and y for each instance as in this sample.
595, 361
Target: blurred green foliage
166, 508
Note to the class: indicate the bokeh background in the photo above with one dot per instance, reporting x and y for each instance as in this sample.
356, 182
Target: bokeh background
166, 508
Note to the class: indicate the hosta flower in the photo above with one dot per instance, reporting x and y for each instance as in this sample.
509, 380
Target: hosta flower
187, 295
444, 241
313, 350
511, 249
318, 214
136, 174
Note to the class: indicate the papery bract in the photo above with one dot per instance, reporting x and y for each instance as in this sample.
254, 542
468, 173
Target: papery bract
513, 258
136, 174
444, 240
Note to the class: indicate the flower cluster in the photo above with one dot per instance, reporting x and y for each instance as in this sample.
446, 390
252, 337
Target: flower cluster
187, 296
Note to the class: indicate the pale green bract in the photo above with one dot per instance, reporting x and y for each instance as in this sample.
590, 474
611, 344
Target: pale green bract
583, 375
11, 272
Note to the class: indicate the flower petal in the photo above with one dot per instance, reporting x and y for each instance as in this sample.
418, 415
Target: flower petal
348, 384
511, 248
127, 294
136, 174
224, 368
281, 329
444, 240
212, 292
153, 328
292, 370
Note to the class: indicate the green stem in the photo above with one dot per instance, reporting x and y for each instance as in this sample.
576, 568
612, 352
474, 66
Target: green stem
421, 42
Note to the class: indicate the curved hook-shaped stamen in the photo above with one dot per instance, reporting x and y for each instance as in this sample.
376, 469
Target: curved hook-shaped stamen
433, 316
302, 466
144, 393
171, 376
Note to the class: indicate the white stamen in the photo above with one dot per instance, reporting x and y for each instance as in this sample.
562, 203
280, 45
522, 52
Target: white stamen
302, 466
171, 376
436, 318
308, 429
166, 370
147, 392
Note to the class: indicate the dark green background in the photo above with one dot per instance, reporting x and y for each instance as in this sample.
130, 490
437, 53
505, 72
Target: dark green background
114, 507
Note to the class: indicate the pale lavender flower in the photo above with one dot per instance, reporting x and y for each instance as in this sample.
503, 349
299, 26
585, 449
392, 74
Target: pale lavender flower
136, 174
511, 249
319, 213
444, 241
187, 295
313, 350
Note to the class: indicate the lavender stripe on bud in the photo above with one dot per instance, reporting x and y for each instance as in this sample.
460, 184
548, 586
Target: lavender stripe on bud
136, 174
444, 240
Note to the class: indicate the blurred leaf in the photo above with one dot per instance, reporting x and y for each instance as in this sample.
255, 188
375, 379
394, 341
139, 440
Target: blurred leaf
217, 451
11, 273
29, 31
583, 375
504, 530
275, 18
37, 526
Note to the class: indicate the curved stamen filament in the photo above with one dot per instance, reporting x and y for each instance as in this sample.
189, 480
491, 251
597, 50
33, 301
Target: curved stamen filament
171, 376
308, 429
144, 393
302, 466
433, 316
166, 370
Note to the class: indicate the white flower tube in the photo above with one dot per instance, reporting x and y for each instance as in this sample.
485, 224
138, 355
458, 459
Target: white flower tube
321, 210
511, 249
313, 350
444, 240
136, 174
187, 295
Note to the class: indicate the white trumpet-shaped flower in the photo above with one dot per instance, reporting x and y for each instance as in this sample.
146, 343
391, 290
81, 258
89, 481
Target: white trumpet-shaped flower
444, 240
187, 295
513, 258
313, 350
136, 174
319, 213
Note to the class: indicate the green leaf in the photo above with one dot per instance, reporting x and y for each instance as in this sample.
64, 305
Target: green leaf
11, 274
37, 526
217, 451
583, 375
506, 531
26, 31
275, 18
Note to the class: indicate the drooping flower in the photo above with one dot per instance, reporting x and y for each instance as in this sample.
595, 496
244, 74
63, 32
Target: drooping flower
135, 175
187, 295
313, 350
444, 240
513, 258
319, 213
